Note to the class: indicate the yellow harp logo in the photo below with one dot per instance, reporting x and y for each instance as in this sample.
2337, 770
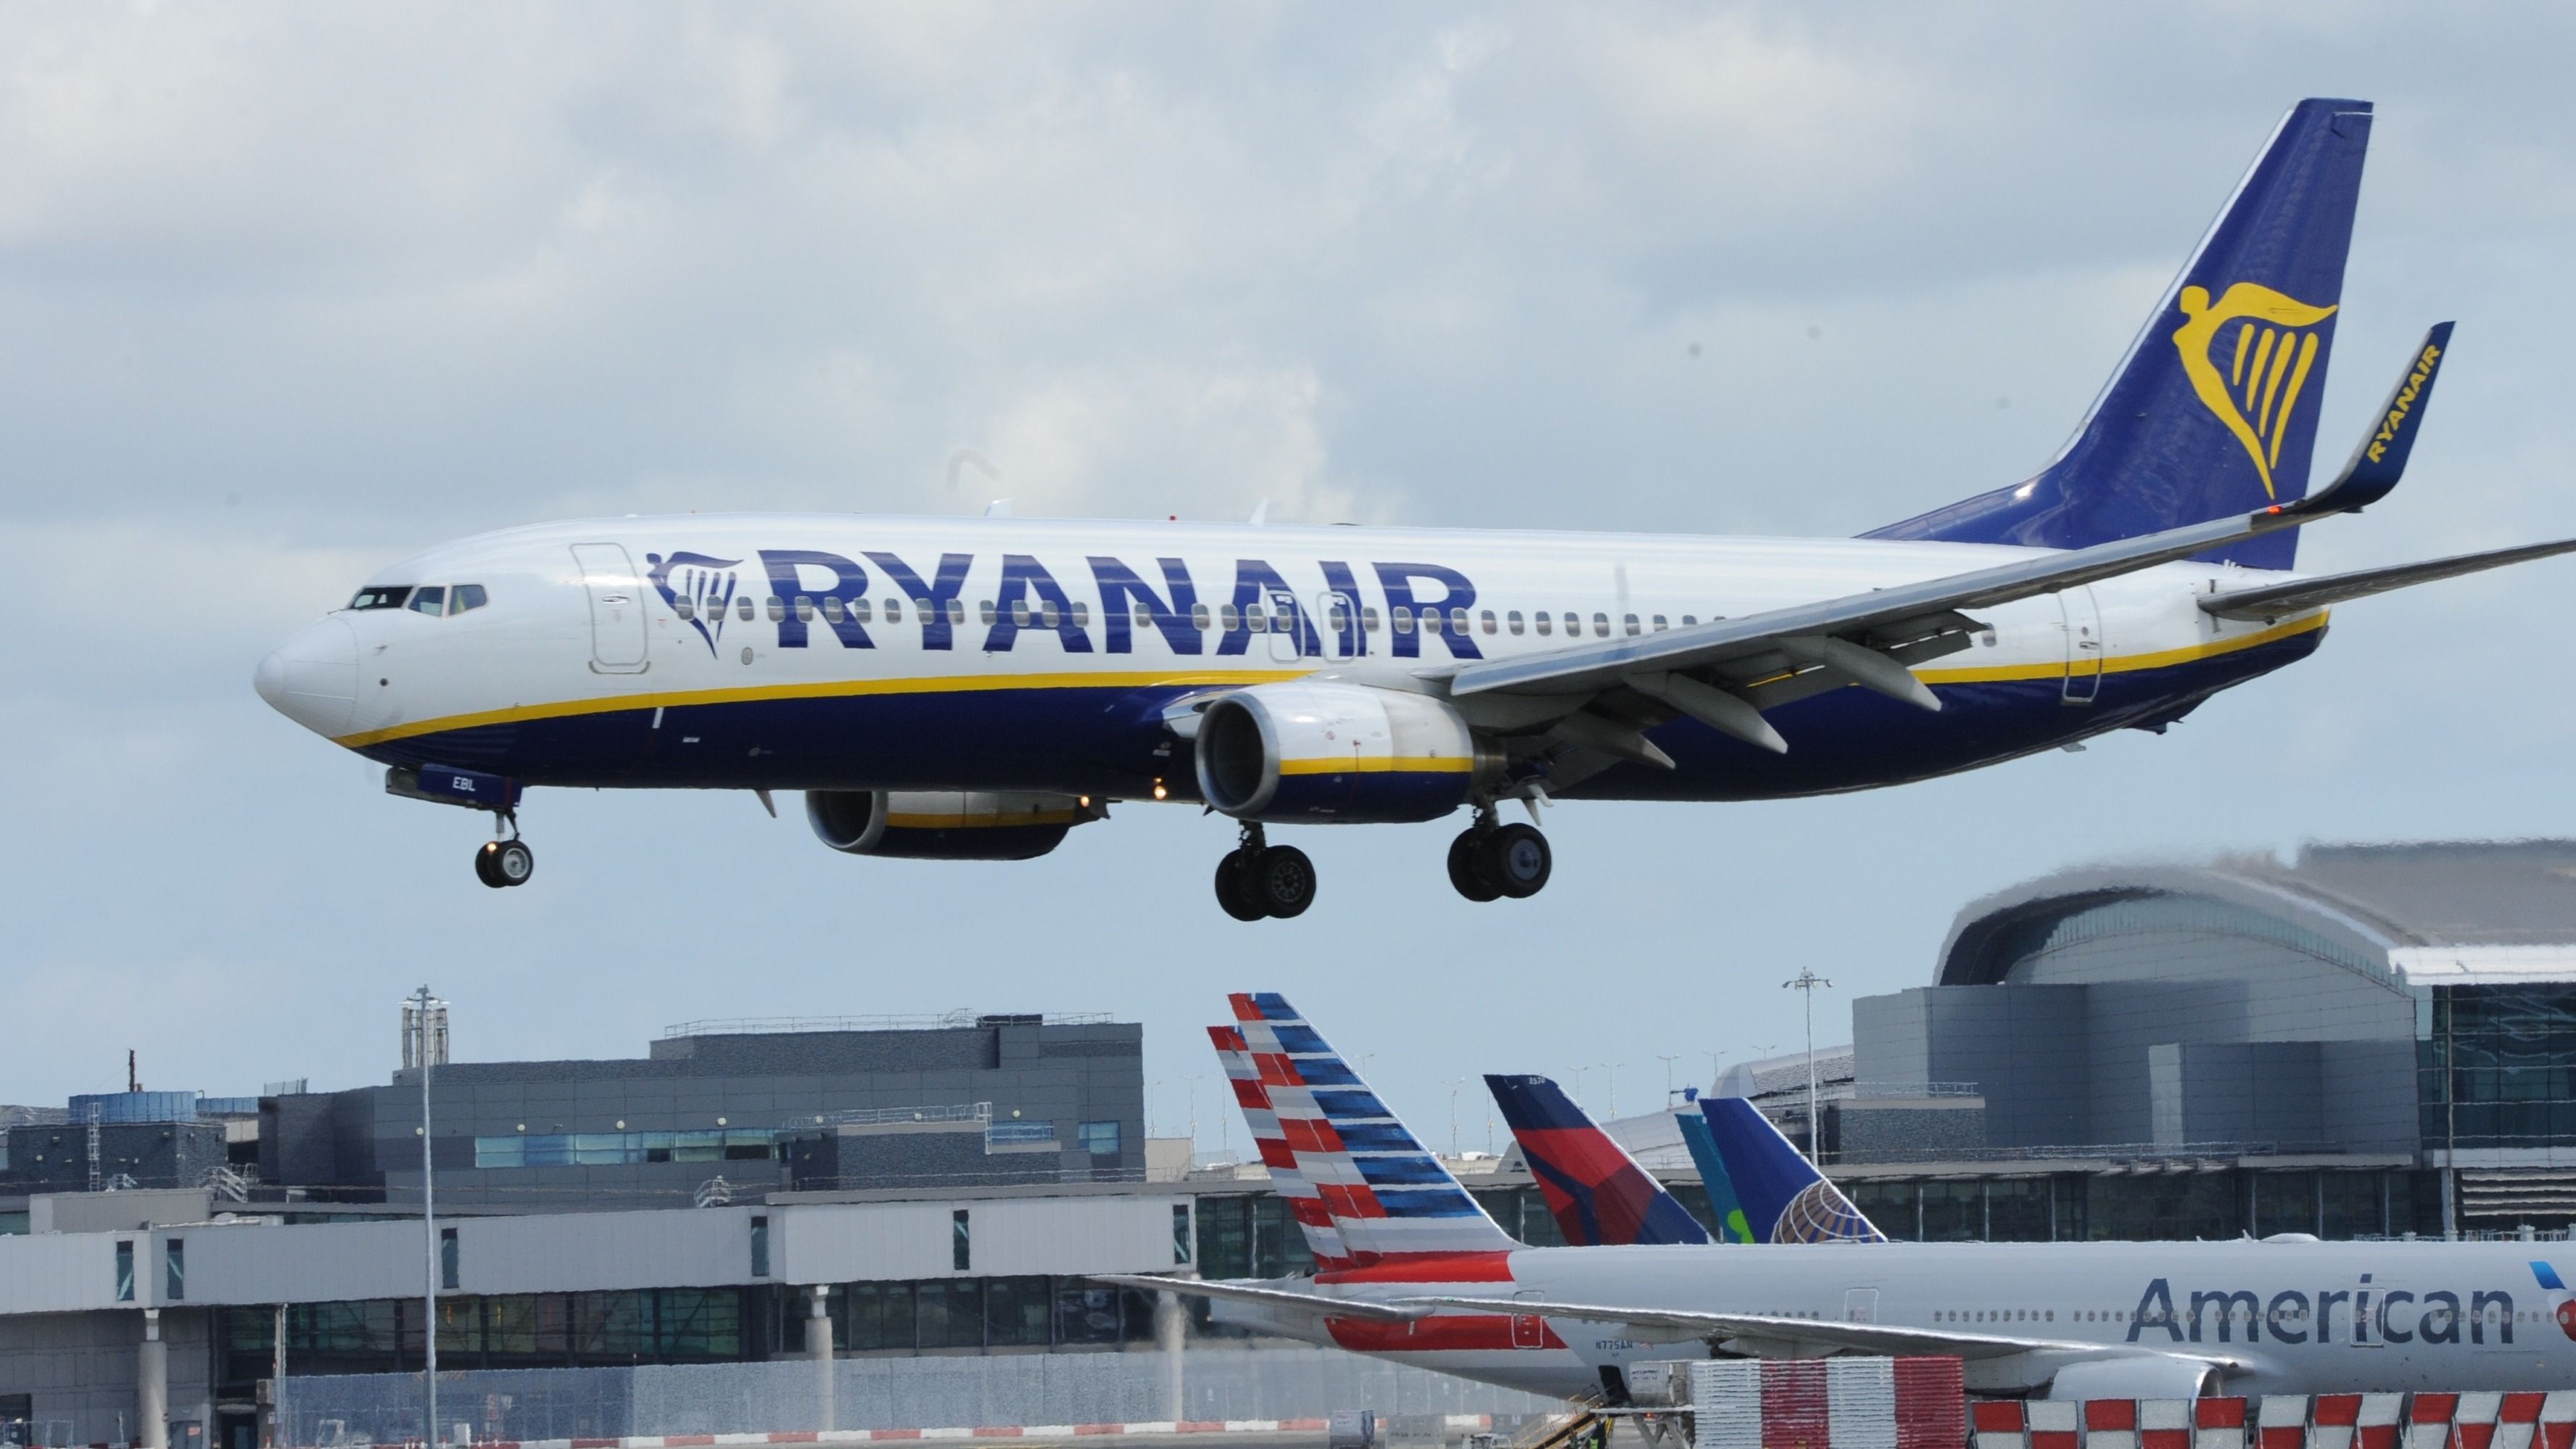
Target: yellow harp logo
2275, 346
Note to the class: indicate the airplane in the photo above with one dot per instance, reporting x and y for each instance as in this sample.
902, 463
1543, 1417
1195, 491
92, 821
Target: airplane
1784, 1198
973, 689
1761, 1188
1410, 1268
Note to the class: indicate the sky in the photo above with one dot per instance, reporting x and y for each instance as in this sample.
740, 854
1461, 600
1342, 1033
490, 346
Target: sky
290, 292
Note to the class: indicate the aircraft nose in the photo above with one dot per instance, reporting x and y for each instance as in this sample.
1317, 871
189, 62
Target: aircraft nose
312, 678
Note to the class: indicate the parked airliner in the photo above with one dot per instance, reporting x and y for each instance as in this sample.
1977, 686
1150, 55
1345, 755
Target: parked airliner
974, 688
1411, 1268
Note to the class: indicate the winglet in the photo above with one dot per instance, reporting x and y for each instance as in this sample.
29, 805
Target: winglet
2381, 459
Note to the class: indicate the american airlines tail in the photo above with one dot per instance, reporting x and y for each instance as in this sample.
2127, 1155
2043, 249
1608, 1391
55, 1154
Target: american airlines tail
1785, 1199
2214, 409
1386, 1197
1596, 1191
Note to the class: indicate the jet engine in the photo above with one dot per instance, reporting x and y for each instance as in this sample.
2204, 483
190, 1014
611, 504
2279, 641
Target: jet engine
1342, 752
945, 824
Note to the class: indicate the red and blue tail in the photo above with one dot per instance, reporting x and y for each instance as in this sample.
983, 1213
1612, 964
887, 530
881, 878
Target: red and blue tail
1387, 1196
1785, 1199
1597, 1192
2214, 410
1304, 1203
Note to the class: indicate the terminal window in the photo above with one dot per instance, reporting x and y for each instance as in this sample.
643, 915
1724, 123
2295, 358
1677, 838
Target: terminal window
1100, 1139
125, 1272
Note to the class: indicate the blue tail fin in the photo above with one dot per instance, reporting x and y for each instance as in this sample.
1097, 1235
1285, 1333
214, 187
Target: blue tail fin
2214, 409
1723, 1206
1785, 1199
1595, 1190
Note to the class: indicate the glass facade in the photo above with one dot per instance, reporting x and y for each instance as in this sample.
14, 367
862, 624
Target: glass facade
2152, 1206
973, 1313
1251, 1236
610, 1149
531, 1330
2497, 1066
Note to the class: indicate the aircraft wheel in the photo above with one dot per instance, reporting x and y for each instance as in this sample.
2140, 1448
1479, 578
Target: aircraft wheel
1234, 885
1462, 868
505, 863
1283, 881
1516, 859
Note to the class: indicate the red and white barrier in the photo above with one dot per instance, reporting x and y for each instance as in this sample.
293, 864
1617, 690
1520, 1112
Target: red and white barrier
2533, 1420
1839, 1403
2218, 1424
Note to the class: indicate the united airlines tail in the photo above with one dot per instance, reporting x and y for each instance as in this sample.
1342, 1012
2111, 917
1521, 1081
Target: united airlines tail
1384, 1194
1785, 1199
1597, 1192
2214, 409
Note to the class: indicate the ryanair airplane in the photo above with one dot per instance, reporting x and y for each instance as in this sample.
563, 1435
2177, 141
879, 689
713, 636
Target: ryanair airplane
972, 689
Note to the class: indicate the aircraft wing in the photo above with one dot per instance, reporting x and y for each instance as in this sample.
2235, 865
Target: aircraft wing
1287, 1298
2278, 599
1813, 1335
1725, 672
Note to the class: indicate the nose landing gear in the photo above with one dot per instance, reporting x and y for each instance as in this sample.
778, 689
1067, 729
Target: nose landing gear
508, 862
1490, 862
1258, 880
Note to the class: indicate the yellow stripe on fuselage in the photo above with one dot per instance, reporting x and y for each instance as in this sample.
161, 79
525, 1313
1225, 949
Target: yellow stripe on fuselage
1394, 765
1141, 679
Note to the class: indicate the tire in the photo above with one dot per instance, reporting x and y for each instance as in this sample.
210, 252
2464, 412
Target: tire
483, 870
1516, 859
1463, 874
513, 862
1234, 886
1283, 881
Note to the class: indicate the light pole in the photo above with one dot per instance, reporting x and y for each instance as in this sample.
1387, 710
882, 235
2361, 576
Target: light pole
1578, 1084
1668, 1075
421, 1002
1806, 983
1454, 1084
1193, 1080
1613, 1069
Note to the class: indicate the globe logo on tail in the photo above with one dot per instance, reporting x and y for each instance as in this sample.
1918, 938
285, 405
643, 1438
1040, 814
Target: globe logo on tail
2272, 347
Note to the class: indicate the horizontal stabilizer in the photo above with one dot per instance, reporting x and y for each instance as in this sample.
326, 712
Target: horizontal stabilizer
2278, 600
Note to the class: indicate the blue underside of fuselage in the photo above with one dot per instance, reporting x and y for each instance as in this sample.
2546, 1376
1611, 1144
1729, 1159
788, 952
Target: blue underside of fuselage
1109, 742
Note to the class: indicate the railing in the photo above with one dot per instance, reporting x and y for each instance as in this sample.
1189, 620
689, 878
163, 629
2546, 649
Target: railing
880, 1116
964, 1016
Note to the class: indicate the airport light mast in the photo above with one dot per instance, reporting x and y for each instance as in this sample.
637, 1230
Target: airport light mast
1806, 983
421, 1043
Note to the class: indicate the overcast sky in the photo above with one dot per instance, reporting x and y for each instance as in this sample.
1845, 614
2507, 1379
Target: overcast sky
289, 293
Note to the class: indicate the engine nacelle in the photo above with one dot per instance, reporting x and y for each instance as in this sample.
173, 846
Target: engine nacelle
944, 824
1345, 752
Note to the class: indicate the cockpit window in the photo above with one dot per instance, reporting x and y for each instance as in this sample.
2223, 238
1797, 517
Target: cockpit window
431, 600
466, 596
384, 598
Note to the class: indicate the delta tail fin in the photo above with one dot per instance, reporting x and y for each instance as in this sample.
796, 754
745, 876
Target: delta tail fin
1388, 1198
2214, 409
1597, 1192
1785, 1199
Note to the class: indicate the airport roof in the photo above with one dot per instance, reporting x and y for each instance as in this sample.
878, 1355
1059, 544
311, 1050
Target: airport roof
2420, 912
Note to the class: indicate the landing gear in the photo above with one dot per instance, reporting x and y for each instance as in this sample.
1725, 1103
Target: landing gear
1257, 880
1490, 861
505, 862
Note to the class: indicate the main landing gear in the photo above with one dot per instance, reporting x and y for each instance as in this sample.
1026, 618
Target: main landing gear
1257, 879
505, 862
1489, 861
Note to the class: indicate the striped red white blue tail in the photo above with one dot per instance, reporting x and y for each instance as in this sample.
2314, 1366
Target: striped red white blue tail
1322, 1238
1387, 1196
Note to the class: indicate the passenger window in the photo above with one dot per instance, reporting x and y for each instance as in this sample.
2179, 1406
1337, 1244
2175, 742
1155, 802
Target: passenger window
893, 610
1020, 612
1047, 615
956, 610
1368, 618
1543, 625
1226, 616
804, 608
1458, 622
1199, 616
681, 606
777, 609
1512, 621
1338, 617
1254, 619
1283, 622
1488, 620
1690, 620
1601, 626
466, 596
1081, 615
859, 610
1660, 625
985, 608
1631, 622
431, 600
1403, 620
832, 608
1144, 617
742, 608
